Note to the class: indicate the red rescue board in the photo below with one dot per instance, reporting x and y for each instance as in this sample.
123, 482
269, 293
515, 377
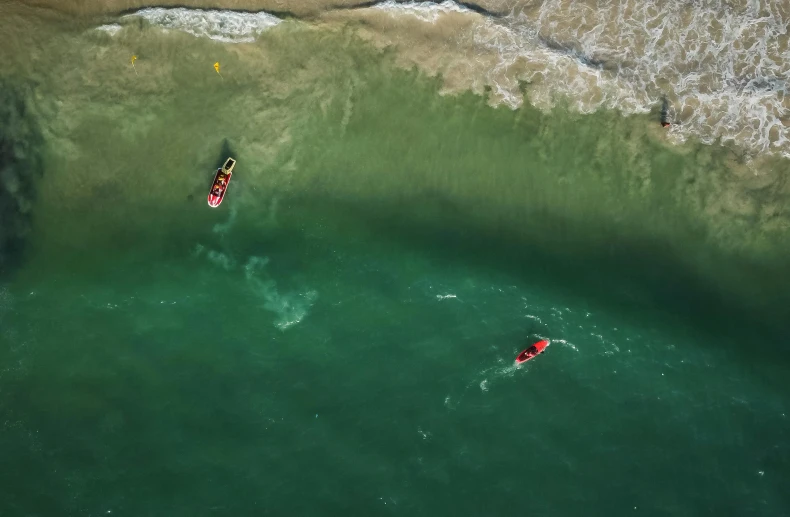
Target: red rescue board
532, 351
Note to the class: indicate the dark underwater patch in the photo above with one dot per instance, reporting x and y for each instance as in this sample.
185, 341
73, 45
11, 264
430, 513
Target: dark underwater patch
20, 166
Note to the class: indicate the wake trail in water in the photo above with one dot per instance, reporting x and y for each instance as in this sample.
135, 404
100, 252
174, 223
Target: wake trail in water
504, 369
223, 228
289, 308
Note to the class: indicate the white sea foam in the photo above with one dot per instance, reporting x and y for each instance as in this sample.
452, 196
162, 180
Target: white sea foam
223, 260
566, 343
425, 434
227, 26
291, 308
425, 11
111, 28
723, 67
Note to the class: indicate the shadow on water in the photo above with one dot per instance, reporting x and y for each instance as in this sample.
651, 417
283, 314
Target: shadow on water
225, 152
668, 266
631, 277
20, 167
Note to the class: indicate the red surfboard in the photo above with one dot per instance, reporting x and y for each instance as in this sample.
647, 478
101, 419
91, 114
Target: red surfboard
532, 351
220, 185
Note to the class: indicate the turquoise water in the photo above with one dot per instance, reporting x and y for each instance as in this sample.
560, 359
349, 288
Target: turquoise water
338, 337
327, 368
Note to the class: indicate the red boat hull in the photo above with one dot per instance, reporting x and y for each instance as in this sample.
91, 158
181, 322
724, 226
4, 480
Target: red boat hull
532, 352
218, 188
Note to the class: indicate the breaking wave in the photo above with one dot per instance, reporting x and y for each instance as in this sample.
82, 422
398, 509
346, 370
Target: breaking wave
721, 66
425, 11
110, 29
227, 26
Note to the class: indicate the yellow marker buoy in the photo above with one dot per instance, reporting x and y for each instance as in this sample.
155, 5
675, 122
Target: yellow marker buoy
134, 58
216, 67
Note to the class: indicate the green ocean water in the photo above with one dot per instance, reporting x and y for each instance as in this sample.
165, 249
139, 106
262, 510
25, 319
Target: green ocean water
338, 337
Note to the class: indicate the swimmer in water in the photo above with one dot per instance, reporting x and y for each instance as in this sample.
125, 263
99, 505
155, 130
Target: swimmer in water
665, 113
